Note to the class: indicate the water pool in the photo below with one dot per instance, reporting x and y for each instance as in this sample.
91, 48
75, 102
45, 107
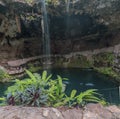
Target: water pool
3, 88
82, 80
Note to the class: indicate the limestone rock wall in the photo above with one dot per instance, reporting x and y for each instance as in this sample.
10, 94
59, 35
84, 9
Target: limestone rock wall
91, 111
89, 25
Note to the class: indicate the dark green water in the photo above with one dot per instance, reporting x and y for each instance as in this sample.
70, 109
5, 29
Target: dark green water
82, 80
3, 88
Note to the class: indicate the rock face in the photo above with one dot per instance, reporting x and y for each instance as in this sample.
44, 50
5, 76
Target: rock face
105, 57
91, 111
88, 25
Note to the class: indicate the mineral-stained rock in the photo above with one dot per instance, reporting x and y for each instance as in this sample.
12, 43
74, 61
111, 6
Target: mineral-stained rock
100, 110
89, 25
91, 111
115, 110
90, 115
73, 114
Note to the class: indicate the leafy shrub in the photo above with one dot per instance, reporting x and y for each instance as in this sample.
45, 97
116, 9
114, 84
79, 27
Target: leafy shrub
32, 96
83, 98
103, 59
107, 71
41, 90
30, 91
3, 75
33, 68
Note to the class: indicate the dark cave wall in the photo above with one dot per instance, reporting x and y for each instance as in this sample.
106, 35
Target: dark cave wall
89, 25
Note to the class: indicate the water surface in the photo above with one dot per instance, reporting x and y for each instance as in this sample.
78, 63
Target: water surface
82, 80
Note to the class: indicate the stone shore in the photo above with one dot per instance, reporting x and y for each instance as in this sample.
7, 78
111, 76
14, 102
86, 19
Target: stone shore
91, 111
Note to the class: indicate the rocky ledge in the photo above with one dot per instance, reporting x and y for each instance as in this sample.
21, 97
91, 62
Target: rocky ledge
91, 111
16, 67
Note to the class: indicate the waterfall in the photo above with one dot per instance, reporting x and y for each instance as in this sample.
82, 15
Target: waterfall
67, 17
68, 6
45, 36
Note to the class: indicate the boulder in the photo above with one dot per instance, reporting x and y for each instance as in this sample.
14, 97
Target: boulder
91, 111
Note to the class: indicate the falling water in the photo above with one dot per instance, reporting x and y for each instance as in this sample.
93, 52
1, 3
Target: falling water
68, 6
67, 18
45, 36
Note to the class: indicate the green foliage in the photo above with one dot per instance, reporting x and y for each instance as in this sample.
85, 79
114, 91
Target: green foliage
103, 63
25, 91
53, 2
56, 92
3, 75
80, 61
83, 98
32, 96
33, 68
41, 90
88, 96
34, 80
103, 59
2, 99
107, 71
29, 1
30, 91
71, 100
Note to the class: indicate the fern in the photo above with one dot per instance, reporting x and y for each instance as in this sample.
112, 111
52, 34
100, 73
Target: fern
41, 90
88, 96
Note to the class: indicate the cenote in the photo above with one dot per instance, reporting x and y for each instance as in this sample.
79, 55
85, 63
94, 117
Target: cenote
63, 33
83, 79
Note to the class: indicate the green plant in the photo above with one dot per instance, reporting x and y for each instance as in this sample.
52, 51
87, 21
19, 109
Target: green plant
88, 96
4, 75
107, 71
71, 100
25, 91
32, 96
104, 59
32, 68
41, 90
56, 92
83, 98
34, 80
51, 91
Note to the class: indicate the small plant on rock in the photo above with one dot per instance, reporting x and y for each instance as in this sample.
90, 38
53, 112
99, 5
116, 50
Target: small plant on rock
3, 75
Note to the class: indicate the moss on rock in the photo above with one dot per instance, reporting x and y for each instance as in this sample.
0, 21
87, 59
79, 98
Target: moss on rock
33, 68
103, 59
4, 76
80, 61
104, 62
107, 71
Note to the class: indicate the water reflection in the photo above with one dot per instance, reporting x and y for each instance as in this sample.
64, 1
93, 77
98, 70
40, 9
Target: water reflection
82, 80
